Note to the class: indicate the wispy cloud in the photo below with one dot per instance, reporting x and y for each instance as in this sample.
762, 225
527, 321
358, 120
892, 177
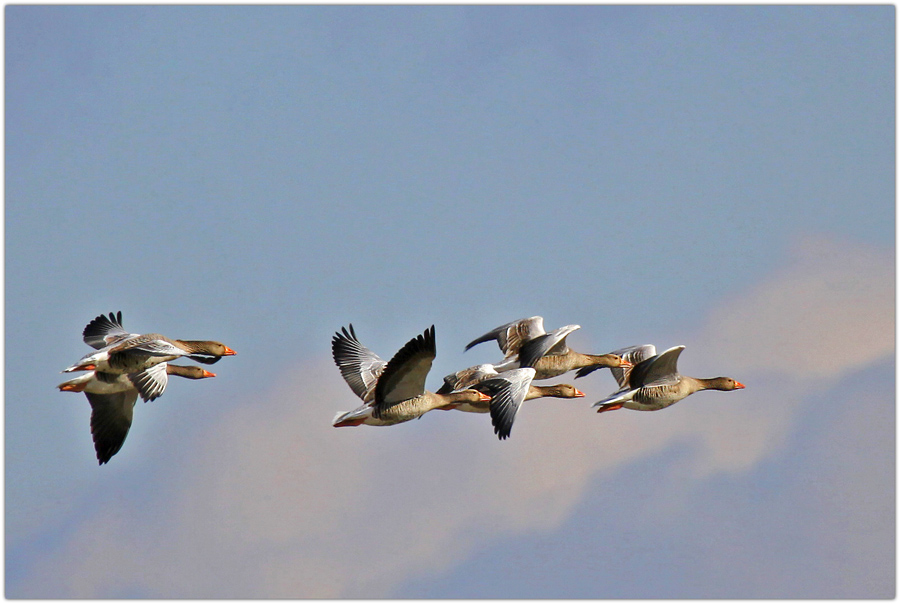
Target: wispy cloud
829, 310
273, 502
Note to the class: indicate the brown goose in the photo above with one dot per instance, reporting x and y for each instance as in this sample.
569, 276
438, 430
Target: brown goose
112, 397
472, 377
653, 383
123, 352
525, 344
392, 392
508, 391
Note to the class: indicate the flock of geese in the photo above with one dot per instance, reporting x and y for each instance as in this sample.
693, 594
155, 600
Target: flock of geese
394, 391
127, 365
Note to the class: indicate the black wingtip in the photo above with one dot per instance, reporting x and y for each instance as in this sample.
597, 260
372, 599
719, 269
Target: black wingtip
205, 359
502, 434
485, 338
344, 335
101, 324
585, 371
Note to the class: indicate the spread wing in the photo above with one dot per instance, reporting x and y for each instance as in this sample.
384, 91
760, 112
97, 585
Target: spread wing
359, 366
512, 336
404, 375
508, 391
150, 383
105, 331
661, 370
551, 343
632, 354
111, 416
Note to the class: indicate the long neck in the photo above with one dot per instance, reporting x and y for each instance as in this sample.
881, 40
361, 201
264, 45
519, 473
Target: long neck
602, 360
194, 345
192, 373
462, 396
555, 391
716, 383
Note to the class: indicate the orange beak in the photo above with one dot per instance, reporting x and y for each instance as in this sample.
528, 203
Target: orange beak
208, 374
738, 385
483, 397
228, 352
578, 393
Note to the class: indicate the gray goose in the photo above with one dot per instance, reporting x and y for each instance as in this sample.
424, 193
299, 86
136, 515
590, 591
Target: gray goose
525, 344
508, 390
121, 352
112, 397
392, 392
653, 382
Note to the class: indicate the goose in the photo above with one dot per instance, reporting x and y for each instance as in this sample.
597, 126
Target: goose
525, 344
508, 390
112, 397
392, 392
653, 381
474, 377
121, 352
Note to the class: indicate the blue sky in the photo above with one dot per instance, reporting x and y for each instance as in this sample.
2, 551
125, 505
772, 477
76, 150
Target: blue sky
718, 177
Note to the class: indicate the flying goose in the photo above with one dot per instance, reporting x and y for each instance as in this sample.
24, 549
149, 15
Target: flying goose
112, 397
525, 344
391, 392
121, 352
653, 382
508, 390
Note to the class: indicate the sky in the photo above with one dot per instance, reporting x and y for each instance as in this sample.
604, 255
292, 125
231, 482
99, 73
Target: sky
721, 178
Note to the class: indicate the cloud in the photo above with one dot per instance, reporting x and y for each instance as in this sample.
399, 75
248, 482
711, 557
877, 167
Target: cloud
274, 502
828, 311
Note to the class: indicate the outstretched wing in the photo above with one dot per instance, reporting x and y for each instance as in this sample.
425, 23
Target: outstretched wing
508, 391
512, 336
404, 375
111, 416
632, 354
360, 366
661, 370
105, 331
151, 382
551, 343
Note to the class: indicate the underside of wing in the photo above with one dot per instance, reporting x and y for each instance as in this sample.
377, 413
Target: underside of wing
508, 391
111, 416
104, 331
150, 383
359, 366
